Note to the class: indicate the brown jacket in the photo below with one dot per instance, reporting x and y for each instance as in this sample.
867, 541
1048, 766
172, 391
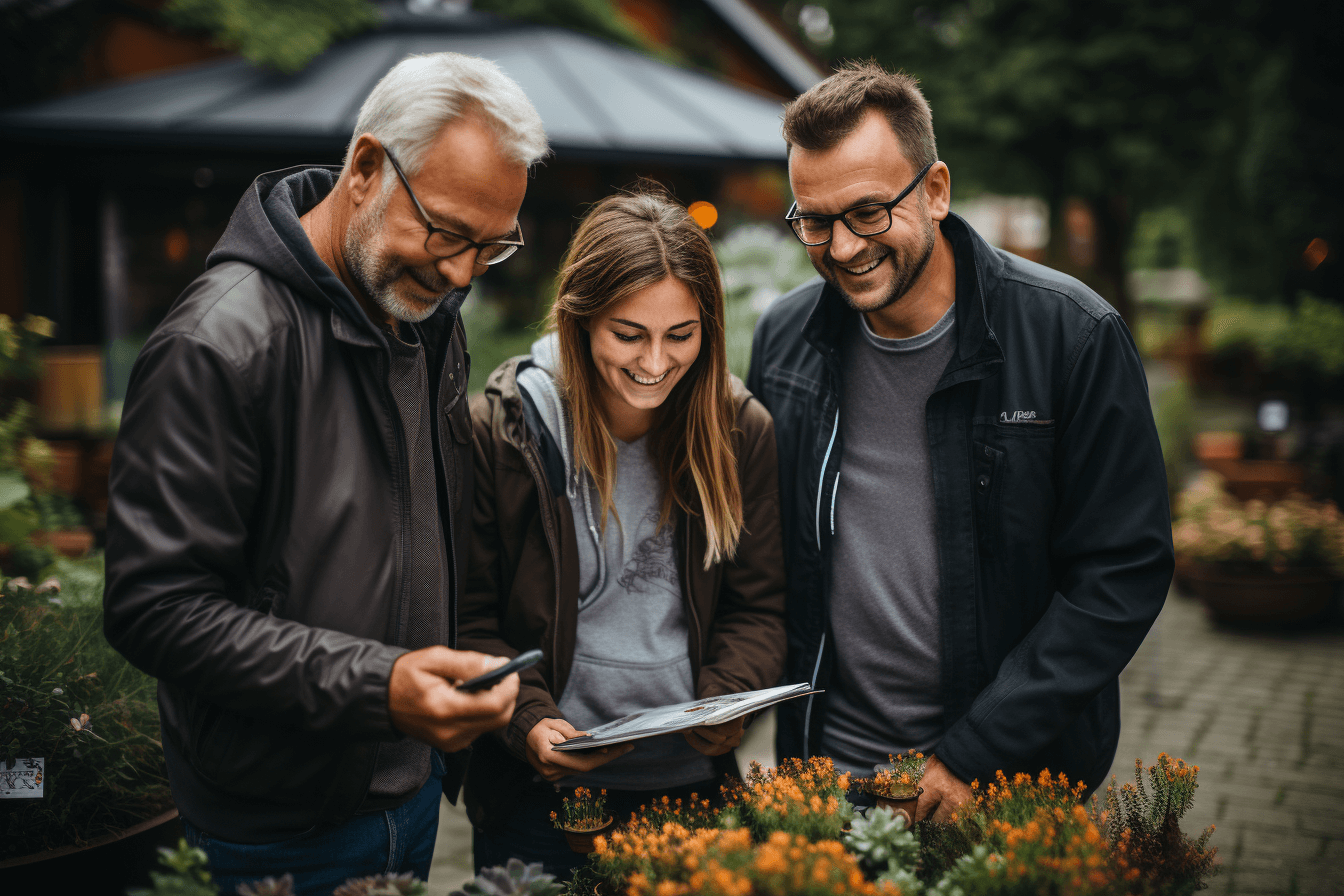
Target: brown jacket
522, 584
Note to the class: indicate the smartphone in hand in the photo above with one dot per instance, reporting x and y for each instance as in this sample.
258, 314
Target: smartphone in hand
490, 679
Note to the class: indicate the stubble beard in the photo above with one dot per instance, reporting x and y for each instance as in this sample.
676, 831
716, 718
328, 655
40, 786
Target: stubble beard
365, 258
907, 266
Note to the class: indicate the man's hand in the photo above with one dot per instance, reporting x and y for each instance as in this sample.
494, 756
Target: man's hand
424, 703
944, 792
554, 764
715, 740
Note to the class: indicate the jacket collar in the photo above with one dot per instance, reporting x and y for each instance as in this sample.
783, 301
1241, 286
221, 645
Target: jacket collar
977, 347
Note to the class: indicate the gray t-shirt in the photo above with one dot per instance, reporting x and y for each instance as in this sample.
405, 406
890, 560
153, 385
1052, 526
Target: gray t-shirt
884, 697
631, 650
402, 766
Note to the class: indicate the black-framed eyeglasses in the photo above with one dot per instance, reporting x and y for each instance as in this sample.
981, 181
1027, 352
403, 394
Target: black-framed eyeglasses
869, 219
446, 244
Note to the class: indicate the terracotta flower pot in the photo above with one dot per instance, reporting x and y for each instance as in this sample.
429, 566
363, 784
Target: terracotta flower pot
66, 542
902, 804
1213, 446
1264, 596
581, 842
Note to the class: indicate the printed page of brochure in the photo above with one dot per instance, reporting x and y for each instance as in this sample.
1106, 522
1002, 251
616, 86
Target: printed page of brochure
680, 716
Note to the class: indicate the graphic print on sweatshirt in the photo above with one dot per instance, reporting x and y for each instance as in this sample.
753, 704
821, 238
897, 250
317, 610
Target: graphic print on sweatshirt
652, 565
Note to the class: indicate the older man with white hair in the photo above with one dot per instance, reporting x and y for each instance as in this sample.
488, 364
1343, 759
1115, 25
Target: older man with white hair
291, 491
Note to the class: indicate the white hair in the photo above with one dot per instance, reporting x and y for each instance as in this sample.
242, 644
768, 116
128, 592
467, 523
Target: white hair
412, 102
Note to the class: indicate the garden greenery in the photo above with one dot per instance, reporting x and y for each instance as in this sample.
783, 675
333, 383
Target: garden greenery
1308, 338
783, 833
72, 700
771, 837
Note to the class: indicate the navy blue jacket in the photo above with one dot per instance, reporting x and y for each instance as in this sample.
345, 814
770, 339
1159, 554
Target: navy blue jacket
1054, 532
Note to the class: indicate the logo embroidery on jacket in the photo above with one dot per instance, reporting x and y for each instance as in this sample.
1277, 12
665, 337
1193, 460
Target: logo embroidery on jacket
1016, 416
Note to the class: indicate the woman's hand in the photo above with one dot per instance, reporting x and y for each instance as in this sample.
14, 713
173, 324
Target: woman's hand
715, 740
553, 764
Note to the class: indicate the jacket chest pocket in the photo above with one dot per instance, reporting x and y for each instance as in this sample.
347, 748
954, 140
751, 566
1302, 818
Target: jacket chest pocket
1013, 470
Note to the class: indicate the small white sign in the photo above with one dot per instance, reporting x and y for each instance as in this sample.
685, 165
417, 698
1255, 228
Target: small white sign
24, 781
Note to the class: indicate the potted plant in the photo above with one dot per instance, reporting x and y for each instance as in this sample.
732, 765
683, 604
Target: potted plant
897, 787
75, 709
37, 520
61, 525
1255, 561
583, 818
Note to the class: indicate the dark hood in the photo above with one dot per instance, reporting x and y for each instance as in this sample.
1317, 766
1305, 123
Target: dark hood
265, 232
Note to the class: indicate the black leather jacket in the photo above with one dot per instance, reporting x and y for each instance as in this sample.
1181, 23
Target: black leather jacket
259, 508
1054, 533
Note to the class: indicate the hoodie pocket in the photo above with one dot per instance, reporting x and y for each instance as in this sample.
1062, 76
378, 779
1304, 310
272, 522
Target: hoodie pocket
600, 690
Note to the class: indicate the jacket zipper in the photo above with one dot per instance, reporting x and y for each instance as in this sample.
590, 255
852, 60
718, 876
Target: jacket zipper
444, 448
403, 508
690, 607
548, 527
821, 648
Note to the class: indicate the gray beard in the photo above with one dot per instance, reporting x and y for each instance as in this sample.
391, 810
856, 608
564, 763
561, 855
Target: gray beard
364, 258
907, 269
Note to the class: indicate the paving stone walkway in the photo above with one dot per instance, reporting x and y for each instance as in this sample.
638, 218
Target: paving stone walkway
1261, 714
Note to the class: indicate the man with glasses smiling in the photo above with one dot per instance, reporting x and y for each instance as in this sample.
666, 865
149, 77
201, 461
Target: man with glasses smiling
974, 499
291, 491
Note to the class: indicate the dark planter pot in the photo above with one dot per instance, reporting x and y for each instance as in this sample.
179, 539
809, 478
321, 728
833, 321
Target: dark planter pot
902, 805
1268, 480
1290, 597
1181, 575
106, 867
581, 842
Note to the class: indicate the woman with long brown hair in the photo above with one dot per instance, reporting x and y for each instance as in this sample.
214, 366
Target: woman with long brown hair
627, 524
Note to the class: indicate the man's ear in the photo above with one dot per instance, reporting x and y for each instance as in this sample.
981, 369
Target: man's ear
365, 171
938, 190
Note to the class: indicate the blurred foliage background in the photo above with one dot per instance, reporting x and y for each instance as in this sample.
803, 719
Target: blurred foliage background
1197, 135
1218, 114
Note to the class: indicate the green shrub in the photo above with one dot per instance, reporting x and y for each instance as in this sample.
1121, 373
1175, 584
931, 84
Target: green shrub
72, 700
1310, 337
1143, 824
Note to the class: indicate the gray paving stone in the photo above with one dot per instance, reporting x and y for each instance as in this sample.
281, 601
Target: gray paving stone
1265, 714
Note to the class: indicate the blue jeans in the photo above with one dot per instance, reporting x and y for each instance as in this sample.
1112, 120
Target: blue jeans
528, 833
389, 842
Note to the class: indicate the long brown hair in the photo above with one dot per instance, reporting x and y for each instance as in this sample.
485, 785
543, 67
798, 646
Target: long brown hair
627, 243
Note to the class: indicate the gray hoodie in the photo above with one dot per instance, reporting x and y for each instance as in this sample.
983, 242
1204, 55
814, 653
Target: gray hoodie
631, 651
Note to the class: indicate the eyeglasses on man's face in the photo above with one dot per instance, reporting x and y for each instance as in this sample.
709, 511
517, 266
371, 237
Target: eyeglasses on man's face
869, 219
446, 244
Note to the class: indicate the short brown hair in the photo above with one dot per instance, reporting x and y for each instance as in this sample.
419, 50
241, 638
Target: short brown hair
830, 111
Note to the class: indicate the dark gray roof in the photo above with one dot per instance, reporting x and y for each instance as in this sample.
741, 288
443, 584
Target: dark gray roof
597, 100
788, 62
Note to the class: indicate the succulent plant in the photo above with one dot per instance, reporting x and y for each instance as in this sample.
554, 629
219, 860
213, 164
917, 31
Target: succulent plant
514, 879
383, 885
269, 886
883, 842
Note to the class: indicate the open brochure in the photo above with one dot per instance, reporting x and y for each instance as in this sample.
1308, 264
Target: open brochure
680, 716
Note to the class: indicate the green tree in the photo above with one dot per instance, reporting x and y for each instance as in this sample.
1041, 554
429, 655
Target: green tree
286, 35
281, 34
1127, 105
